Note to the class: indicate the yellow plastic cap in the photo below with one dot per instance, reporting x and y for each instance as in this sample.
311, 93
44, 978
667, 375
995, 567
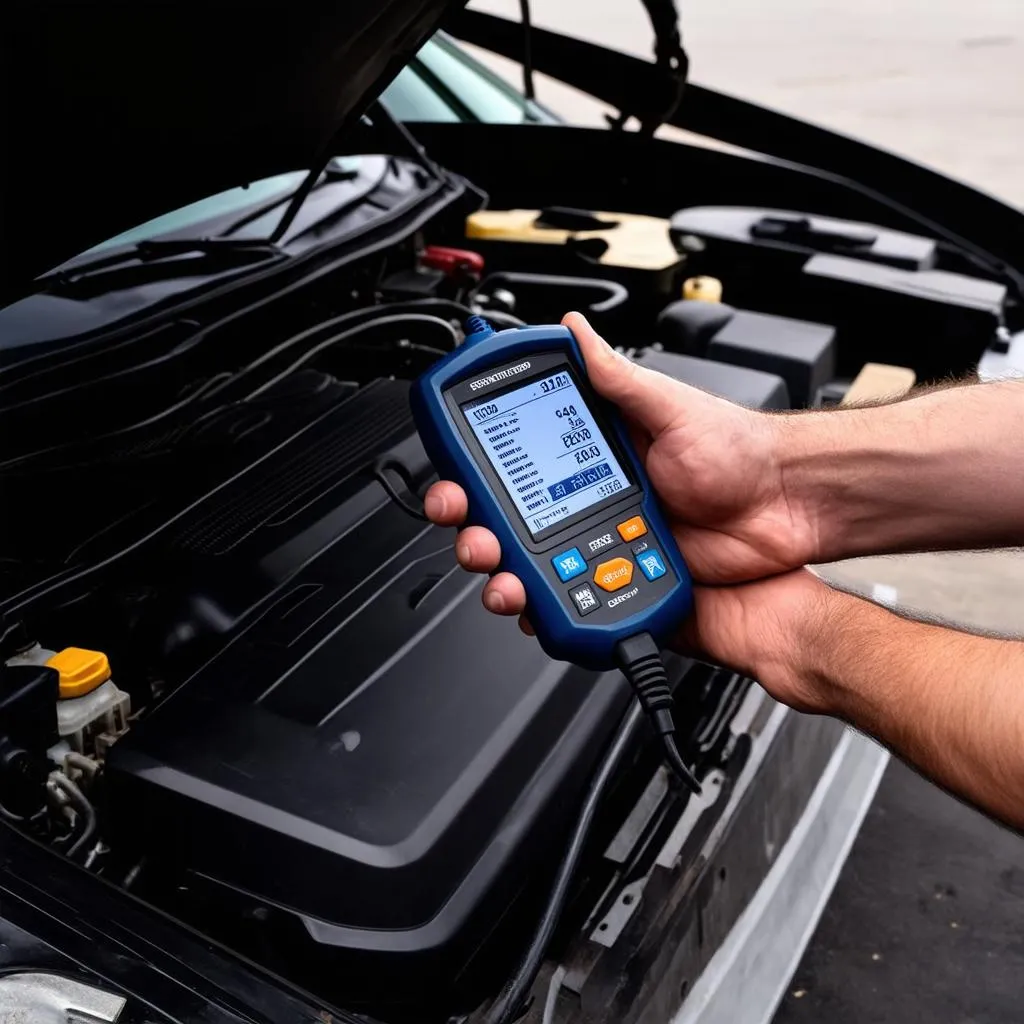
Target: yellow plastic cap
81, 671
704, 289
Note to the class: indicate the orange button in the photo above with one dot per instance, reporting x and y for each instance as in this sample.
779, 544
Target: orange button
632, 528
614, 574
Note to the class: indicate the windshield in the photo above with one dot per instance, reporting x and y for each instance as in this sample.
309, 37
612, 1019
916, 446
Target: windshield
442, 83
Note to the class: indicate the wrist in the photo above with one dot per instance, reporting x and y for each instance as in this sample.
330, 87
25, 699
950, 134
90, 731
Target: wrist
807, 450
808, 635
849, 474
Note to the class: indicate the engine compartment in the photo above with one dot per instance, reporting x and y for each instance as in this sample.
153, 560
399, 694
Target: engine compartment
346, 654
314, 745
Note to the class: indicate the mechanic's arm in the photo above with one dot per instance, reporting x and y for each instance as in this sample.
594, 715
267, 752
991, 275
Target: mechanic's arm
944, 469
950, 703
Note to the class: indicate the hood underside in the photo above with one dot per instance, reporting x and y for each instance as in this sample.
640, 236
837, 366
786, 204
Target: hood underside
115, 112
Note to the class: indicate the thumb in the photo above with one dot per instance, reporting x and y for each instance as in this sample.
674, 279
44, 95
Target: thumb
649, 398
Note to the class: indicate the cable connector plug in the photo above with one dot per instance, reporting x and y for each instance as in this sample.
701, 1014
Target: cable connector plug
476, 329
640, 660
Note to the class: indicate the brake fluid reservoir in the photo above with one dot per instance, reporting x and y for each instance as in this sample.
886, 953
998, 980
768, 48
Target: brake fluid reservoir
92, 712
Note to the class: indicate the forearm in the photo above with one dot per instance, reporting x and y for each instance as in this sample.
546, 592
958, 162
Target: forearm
950, 703
942, 470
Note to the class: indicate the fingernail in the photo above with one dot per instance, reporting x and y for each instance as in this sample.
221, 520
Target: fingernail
463, 554
434, 506
494, 602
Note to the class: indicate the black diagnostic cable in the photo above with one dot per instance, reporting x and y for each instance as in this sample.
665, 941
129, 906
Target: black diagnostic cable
641, 664
640, 661
509, 1004
441, 309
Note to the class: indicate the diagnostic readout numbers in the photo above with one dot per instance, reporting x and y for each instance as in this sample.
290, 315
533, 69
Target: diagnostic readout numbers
544, 443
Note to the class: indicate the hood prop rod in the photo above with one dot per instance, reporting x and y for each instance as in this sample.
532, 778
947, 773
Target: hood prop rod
406, 144
528, 91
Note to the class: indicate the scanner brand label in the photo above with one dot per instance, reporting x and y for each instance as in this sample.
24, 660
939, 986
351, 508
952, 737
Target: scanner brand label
511, 371
623, 597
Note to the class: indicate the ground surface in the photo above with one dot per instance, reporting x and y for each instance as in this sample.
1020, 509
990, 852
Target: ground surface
939, 80
926, 923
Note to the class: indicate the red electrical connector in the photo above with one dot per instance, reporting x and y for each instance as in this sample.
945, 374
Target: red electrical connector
453, 263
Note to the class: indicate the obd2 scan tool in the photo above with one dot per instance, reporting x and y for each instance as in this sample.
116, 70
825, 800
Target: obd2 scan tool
548, 467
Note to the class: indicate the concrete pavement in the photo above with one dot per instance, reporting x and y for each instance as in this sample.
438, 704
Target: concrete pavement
938, 80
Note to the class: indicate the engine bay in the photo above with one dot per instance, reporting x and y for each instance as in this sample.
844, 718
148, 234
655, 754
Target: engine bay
245, 681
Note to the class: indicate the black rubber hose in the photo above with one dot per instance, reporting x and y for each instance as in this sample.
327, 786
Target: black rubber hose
14, 819
421, 319
609, 295
446, 309
509, 1003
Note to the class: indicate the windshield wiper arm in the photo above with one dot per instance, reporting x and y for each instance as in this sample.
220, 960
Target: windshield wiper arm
159, 247
226, 253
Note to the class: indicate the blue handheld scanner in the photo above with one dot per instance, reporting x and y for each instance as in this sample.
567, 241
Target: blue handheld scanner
548, 467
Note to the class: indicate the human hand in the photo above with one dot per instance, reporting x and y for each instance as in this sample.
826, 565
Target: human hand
717, 469
715, 465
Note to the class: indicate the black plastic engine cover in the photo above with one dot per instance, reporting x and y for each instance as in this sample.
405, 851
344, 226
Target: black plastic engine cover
753, 388
361, 746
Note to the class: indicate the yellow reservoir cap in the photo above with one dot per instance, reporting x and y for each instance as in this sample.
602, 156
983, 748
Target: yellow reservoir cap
81, 671
703, 289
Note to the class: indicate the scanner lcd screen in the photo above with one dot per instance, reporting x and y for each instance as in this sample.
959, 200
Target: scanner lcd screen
545, 445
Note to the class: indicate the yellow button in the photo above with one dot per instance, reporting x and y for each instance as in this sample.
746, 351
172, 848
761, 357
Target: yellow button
80, 671
632, 528
614, 574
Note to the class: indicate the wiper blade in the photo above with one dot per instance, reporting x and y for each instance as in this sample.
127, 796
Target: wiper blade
213, 254
158, 247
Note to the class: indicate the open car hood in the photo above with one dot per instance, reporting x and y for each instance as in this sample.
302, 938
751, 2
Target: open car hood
114, 113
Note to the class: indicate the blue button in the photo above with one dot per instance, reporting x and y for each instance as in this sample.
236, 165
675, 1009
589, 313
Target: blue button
569, 564
651, 565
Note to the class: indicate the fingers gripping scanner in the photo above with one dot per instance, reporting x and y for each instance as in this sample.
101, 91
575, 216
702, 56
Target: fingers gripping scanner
549, 468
